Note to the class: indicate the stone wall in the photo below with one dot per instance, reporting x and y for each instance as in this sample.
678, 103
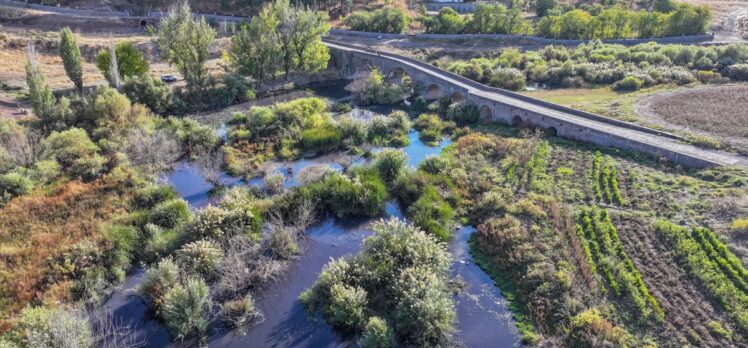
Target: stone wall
64, 10
524, 39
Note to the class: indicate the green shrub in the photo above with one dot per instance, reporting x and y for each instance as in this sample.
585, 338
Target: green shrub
425, 310
150, 92
169, 214
629, 83
45, 171
591, 329
431, 213
186, 309
376, 334
407, 270
68, 146
14, 184
346, 308
508, 78
409, 186
201, 257
88, 168
123, 241
157, 280
390, 163
385, 20
434, 165
149, 196
238, 313
352, 130
363, 194
325, 137
282, 243
130, 61
46, 328
463, 113
737, 72
220, 223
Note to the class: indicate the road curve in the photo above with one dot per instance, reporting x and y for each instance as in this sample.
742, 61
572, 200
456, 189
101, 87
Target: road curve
629, 131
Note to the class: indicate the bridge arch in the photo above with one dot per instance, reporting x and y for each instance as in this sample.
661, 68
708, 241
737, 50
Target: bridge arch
433, 91
397, 75
457, 97
363, 67
517, 121
551, 132
485, 113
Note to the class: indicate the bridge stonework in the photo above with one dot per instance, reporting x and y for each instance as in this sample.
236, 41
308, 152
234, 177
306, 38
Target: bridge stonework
510, 108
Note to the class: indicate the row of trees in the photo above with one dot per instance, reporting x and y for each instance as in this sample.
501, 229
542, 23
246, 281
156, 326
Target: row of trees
281, 37
594, 23
385, 20
487, 19
618, 23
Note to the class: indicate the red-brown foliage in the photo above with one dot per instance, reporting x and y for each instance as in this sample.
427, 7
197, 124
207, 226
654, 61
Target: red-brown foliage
37, 229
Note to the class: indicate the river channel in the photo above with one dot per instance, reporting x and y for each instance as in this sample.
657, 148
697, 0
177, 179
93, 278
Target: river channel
483, 318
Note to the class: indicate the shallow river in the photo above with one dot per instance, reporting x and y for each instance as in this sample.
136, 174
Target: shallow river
483, 319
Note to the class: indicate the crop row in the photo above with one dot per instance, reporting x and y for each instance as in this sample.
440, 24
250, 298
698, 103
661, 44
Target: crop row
619, 271
709, 261
605, 181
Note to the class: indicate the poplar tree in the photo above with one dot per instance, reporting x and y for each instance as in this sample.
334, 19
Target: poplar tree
71, 57
184, 41
42, 100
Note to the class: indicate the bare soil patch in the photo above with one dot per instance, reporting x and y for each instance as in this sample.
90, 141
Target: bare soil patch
721, 112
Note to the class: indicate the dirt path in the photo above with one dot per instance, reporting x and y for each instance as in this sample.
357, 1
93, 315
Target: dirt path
730, 22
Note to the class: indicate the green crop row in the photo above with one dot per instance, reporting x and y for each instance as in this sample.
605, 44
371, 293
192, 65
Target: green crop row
732, 269
636, 277
587, 250
614, 185
596, 176
605, 181
593, 240
708, 270
626, 281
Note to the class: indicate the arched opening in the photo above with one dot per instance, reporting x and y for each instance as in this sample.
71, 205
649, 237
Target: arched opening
516, 121
143, 23
551, 132
457, 97
363, 68
396, 76
433, 91
485, 112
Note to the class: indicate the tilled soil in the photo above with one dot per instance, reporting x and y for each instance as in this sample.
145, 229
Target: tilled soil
687, 308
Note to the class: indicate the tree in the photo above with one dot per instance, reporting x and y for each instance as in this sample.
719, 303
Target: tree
42, 100
71, 57
114, 75
254, 50
664, 6
184, 40
543, 7
306, 42
281, 35
130, 61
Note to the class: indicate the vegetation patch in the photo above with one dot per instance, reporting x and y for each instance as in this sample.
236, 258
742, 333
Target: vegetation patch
394, 292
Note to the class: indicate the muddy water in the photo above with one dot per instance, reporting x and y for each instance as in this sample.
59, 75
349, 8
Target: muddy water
483, 318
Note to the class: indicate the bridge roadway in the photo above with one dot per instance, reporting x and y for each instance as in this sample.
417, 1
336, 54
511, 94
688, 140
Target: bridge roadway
565, 122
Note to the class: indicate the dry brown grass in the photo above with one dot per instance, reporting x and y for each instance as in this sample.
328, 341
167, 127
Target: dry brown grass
13, 56
37, 229
721, 110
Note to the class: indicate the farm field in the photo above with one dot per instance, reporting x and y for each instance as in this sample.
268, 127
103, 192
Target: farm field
182, 184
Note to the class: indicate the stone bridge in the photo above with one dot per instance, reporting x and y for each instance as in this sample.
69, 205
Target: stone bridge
499, 105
